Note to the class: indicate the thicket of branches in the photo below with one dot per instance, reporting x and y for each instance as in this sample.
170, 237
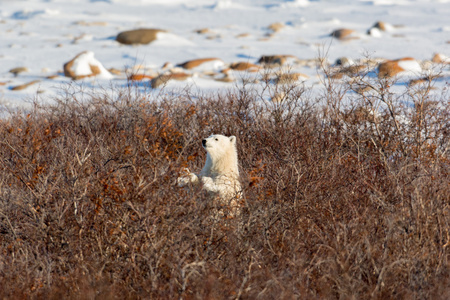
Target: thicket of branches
345, 196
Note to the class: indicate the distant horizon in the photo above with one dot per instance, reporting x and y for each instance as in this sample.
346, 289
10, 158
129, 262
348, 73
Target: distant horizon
45, 35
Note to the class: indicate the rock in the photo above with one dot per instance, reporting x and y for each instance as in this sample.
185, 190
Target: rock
242, 35
344, 62
138, 36
17, 71
203, 31
24, 86
115, 71
276, 60
393, 67
85, 65
389, 69
94, 23
275, 27
377, 29
203, 64
383, 26
343, 34
290, 78
164, 78
139, 77
438, 58
245, 66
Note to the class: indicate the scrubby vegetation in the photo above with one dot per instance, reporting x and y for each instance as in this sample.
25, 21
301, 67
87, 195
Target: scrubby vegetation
346, 196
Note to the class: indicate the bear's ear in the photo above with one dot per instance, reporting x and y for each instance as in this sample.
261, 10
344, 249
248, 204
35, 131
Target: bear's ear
232, 139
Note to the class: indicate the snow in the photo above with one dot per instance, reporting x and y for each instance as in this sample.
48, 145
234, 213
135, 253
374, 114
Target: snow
43, 35
442, 58
411, 67
375, 32
209, 65
83, 63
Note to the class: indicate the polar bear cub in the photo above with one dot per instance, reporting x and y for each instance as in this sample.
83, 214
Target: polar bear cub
220, 175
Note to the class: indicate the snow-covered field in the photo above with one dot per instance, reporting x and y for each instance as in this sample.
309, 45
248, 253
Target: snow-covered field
37, 37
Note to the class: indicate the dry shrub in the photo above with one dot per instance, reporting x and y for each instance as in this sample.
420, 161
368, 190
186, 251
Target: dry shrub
347, 198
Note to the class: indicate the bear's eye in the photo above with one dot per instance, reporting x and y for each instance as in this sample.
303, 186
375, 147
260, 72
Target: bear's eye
216, 139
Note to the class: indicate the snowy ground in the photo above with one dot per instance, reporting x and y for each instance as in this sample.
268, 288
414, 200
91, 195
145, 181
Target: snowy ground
43, 35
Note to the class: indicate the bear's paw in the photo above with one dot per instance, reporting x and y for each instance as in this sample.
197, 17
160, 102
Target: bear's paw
186, 178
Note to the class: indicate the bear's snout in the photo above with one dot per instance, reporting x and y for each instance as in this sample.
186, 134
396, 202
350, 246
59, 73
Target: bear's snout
204, 143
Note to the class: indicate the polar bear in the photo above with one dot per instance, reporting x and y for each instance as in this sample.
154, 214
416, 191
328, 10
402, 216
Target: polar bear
220, 175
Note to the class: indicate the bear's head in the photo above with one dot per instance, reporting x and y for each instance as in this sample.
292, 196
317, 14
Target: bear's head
219, 146
221, 154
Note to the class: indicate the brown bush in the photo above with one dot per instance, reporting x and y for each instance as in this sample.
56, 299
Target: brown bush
346, 196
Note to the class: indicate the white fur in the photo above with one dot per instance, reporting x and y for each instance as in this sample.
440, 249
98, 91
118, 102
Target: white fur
220, 175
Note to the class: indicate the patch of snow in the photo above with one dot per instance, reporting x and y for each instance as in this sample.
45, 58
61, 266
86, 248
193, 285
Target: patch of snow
82, 66
170, 39
43, 34
211, 65
375, 32
411, 67
295, 3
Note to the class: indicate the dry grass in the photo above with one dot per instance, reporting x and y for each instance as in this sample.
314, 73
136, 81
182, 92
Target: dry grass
340, 202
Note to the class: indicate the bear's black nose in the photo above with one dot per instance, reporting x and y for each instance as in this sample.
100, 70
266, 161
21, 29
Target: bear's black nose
204, 143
